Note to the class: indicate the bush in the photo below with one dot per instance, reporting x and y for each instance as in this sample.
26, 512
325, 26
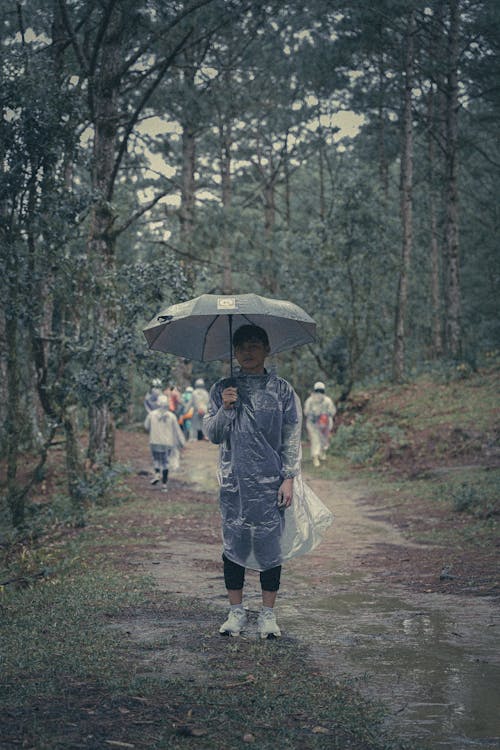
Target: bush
476, 499
359, 442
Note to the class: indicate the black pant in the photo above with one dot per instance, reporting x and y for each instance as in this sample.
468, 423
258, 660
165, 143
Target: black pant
234, 576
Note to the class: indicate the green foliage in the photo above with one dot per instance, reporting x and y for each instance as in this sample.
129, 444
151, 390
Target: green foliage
359, 442
478, 495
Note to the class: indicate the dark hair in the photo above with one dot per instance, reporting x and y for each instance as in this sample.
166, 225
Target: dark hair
250, 333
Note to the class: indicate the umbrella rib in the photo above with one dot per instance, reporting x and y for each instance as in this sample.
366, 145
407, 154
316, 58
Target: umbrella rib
157, 336
206, 335
302, 325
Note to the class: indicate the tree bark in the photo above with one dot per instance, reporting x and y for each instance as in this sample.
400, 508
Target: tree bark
406, 188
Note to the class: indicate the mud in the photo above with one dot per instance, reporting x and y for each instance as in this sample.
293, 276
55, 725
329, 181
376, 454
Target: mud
431, 658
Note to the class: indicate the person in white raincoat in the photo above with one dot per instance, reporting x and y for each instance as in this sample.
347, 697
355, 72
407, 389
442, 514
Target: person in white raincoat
319, 411
255, 419
165, 438
200, 403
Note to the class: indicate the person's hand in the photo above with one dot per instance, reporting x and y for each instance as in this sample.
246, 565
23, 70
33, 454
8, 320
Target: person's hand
285, 493
229, 397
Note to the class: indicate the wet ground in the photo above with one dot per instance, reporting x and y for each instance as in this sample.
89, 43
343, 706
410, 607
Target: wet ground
433, 659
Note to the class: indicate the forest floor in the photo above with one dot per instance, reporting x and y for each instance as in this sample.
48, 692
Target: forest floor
390, 627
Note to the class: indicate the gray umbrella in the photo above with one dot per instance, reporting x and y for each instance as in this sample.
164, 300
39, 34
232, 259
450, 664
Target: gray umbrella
202, 328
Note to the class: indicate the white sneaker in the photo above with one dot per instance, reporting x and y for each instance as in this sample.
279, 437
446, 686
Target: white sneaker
316, 461
164, 488
267, 625
235, 623
155, 479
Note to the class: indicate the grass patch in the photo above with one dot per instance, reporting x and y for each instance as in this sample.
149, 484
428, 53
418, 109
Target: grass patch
470, 402
70, 675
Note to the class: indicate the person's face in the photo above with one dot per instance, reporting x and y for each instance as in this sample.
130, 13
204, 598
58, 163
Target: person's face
251, 356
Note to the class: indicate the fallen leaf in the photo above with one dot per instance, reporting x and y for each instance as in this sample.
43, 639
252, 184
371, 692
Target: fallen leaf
320, 730
117, 743
249, 679
248, 737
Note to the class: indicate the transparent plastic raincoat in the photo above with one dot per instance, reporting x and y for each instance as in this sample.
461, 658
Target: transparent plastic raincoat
260, 447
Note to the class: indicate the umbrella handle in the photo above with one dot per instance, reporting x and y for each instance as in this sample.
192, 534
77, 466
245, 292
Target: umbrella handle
231, 345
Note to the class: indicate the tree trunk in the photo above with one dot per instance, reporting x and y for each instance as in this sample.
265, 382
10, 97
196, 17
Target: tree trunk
188, 182
269, 176
102, 433
437, 340
321, 165
14, 498
101, 241
225, 135
188, 195
382, 154
406, 188
286, 173
74, 470
453, 295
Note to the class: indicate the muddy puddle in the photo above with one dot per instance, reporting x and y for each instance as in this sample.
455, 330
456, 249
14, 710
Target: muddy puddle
432, 659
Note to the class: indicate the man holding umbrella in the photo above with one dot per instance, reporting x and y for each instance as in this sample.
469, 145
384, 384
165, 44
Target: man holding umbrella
255, 420
269, 514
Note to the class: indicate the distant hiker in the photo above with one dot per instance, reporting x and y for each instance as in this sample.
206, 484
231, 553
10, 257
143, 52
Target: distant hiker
185, 419
175, 405
150, 400
200, 406
174, 398
319, 411
165, 438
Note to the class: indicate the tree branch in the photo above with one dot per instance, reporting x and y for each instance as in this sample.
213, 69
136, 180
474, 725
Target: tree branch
142, 103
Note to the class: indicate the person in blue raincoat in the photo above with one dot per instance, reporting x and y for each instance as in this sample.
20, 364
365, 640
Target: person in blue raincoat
256, 421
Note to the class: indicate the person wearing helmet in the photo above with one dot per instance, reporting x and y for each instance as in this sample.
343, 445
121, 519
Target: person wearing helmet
150, 400
319, 411
200, 403
165, 438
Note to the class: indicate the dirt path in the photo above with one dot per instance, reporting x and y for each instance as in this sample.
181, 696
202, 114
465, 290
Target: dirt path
432, 658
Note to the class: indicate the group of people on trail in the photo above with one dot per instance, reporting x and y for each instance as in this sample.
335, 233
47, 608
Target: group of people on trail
268, 513
172, 419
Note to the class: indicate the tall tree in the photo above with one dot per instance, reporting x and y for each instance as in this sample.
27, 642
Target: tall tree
111, 59
453, 293
406, 189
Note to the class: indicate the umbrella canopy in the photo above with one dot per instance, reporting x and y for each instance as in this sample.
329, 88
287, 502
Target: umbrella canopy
202, 328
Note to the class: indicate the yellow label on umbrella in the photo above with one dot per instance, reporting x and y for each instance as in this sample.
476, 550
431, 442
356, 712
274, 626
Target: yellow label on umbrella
226, 303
